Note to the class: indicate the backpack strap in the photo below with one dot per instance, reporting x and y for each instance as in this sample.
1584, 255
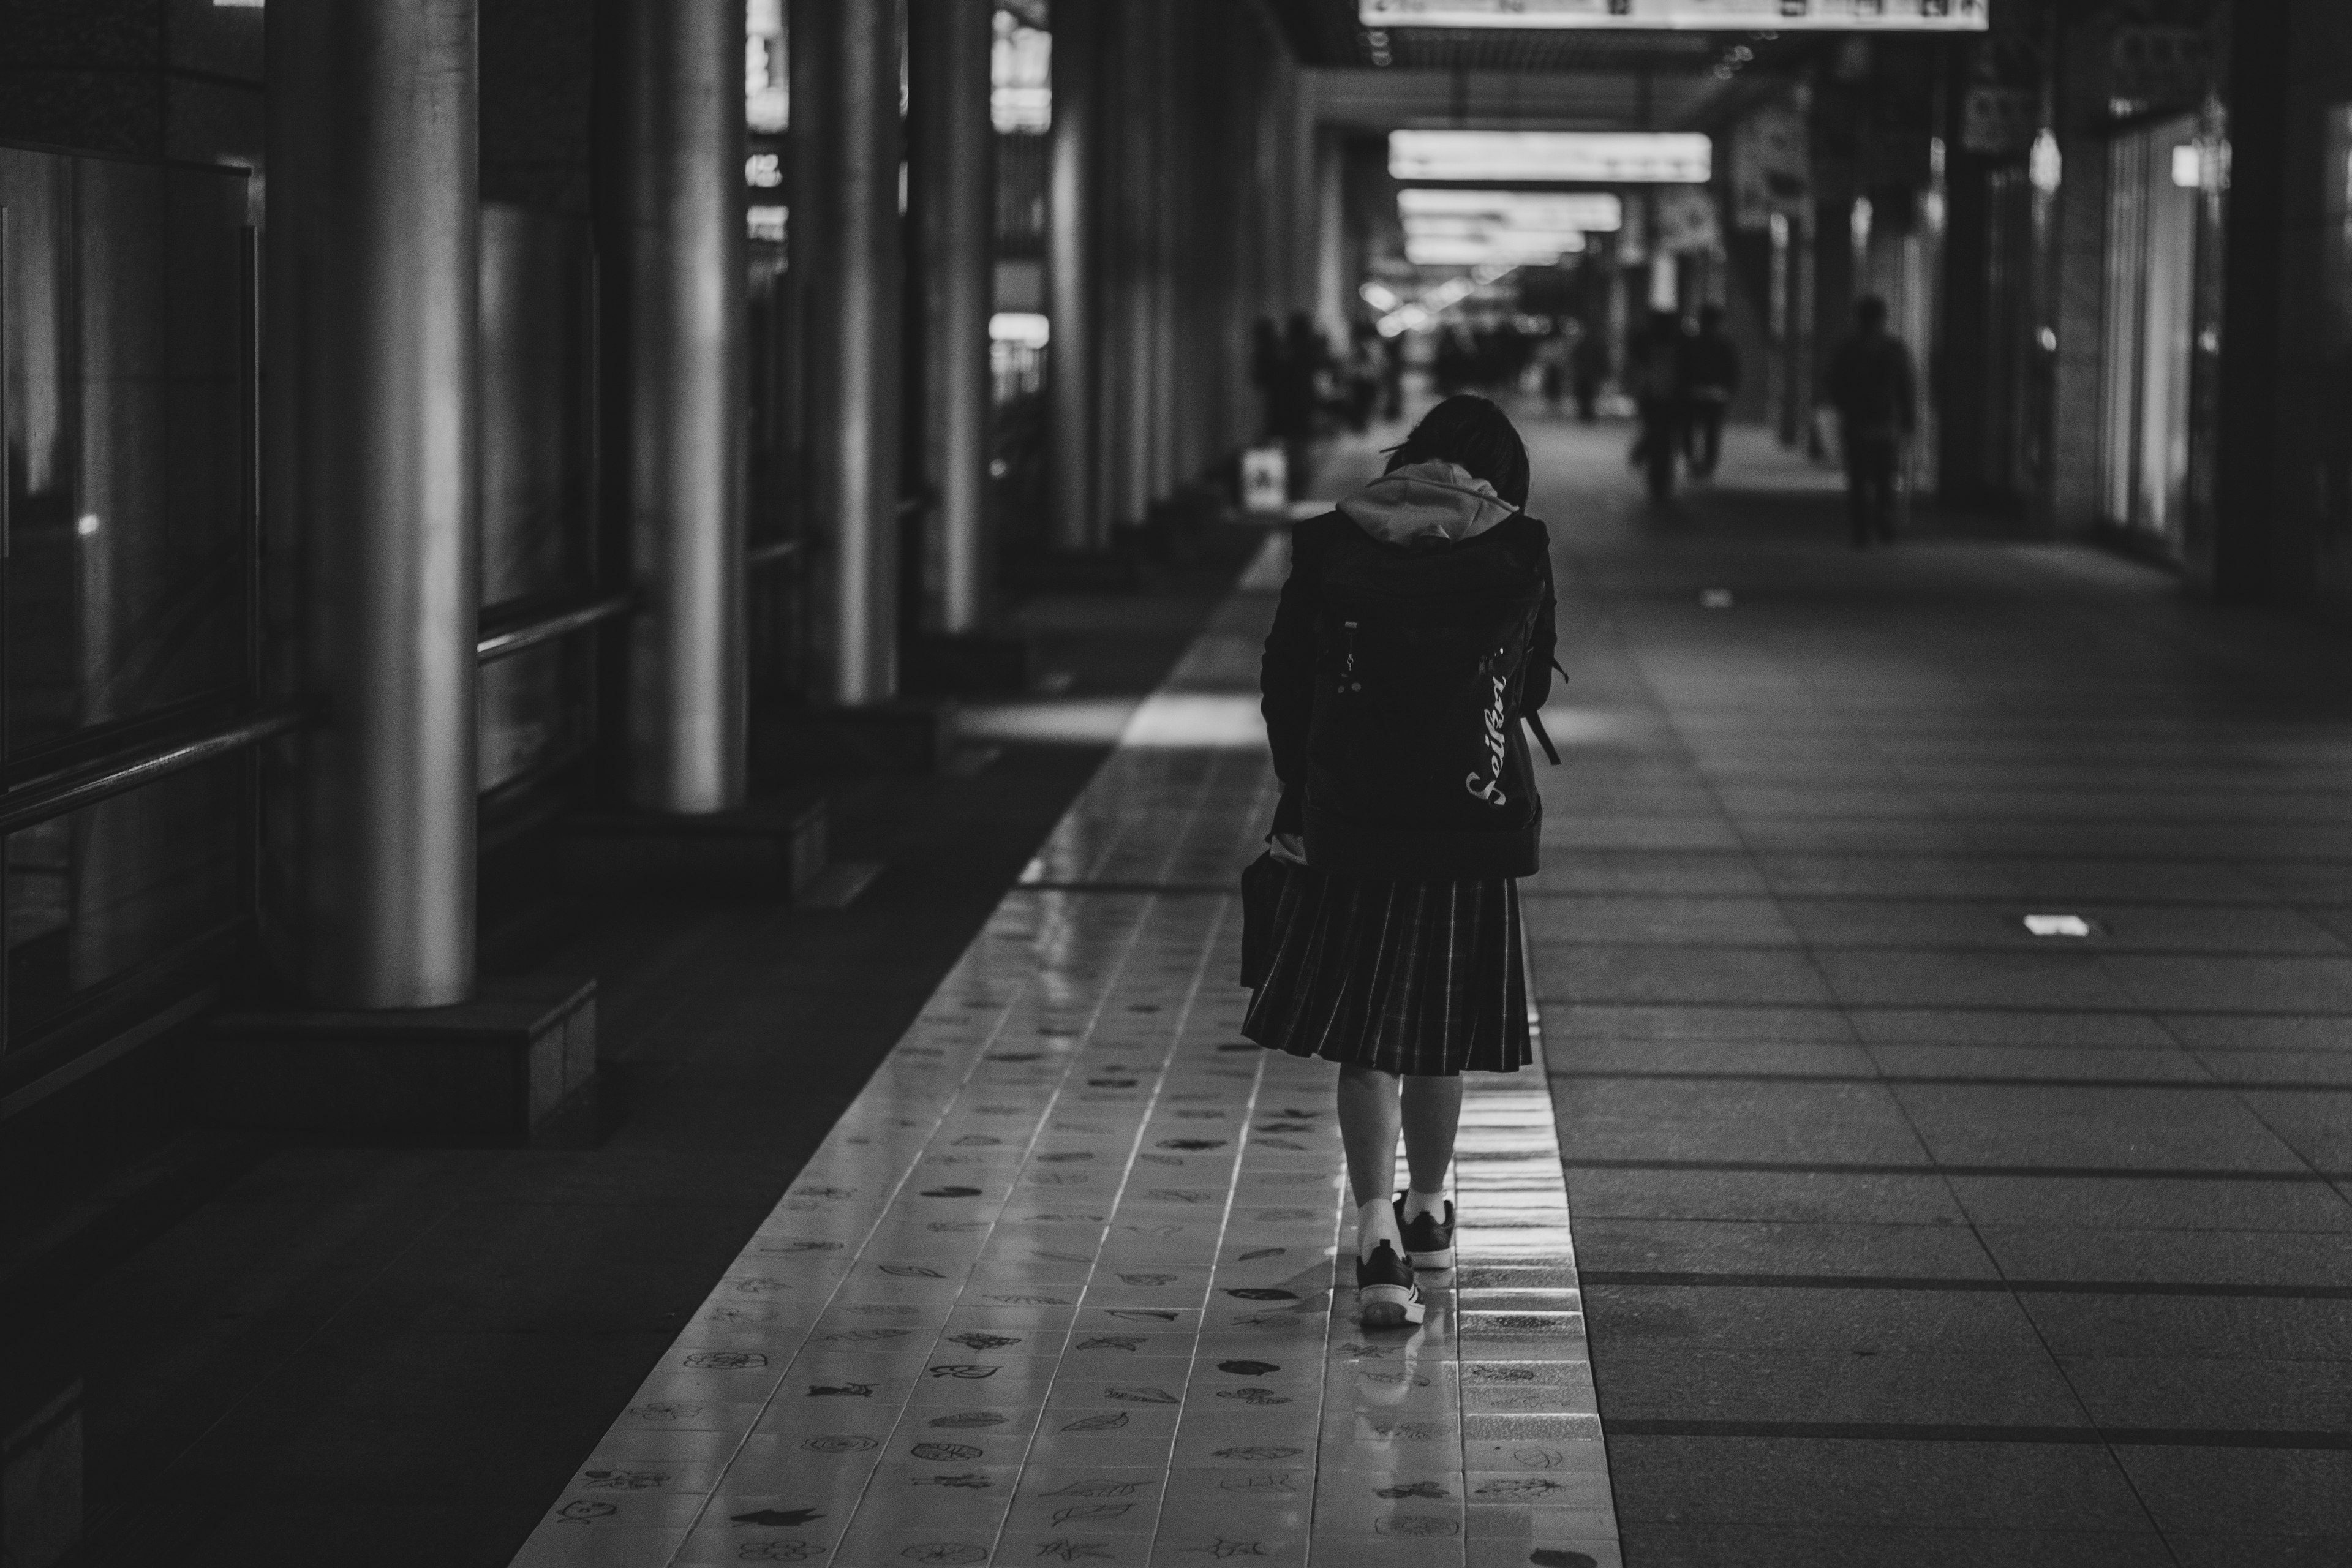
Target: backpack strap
1535, 723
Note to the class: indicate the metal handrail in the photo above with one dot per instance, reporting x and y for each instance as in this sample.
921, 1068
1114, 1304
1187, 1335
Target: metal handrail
547, 629
45, 799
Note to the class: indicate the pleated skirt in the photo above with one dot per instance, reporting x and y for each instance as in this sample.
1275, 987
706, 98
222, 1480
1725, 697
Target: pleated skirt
1425, 978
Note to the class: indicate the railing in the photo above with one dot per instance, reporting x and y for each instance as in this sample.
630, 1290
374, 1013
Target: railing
504, 640
43, 799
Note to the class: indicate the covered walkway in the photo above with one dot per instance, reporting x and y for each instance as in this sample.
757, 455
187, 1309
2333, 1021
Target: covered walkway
1902, 1233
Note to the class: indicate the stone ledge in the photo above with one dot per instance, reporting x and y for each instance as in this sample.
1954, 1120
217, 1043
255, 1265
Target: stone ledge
507, 1069
773, 847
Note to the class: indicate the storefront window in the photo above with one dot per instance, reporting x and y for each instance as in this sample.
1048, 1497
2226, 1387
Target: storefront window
125, 317
2154, 176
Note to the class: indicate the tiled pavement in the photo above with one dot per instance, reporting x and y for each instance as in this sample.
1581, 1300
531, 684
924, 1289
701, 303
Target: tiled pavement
1061, 1286
1905, 1236
1908, 1237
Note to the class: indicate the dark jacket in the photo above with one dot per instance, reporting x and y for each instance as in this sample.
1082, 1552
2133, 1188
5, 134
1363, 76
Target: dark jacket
1710, 362
1286, 680
1871, 386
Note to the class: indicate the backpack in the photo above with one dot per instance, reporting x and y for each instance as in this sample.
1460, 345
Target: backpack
1415, 762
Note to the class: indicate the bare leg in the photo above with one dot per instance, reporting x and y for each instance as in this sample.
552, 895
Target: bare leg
1432, 1112
1369, 1118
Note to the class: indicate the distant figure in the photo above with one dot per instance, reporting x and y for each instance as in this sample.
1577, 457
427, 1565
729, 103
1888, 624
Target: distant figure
1301, 365
1361, 375
1553, 357
1871, 387
1588, 368
1655, 369
1392, 377
1265, 370
1710, 377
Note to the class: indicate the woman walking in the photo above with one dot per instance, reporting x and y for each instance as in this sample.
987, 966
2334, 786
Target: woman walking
1413, 635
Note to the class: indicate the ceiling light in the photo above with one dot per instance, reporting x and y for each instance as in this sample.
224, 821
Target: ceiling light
1708, 16
1598, 157
2057, 925
1585, 212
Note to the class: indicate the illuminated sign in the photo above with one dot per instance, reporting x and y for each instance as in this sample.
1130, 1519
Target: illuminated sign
1709, 16
1471, 250
1592, 157
1580, 212
1536, 228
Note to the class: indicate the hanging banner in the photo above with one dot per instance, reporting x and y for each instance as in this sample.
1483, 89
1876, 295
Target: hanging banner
1771, 166
1687, 221
1706, 15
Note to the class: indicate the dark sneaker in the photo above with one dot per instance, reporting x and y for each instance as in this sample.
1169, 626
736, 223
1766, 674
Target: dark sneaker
1386, 1296
1428, 1240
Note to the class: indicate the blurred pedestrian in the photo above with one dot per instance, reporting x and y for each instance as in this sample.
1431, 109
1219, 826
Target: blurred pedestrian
1266, 372
1392, 377
1303, 368
1588, 368
1872, 389
1656, 368
1710, 377
1553, 358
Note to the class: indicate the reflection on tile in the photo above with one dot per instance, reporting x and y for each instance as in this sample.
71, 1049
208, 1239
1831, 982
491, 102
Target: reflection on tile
1067, 1282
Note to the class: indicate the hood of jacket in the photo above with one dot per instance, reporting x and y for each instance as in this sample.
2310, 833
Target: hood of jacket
1435, 500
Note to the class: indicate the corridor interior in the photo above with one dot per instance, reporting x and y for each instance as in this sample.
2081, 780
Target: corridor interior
1942, 964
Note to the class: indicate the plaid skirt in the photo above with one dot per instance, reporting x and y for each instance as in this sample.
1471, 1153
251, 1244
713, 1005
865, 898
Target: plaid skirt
1425, 978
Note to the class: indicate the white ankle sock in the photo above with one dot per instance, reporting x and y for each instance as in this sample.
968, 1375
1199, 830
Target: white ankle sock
1417, 1204
1376, 1223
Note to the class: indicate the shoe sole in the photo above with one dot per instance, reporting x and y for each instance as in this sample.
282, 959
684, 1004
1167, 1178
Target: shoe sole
1388, 1307
1435, 1262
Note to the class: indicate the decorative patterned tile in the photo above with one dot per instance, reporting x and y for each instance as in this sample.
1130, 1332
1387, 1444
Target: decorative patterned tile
1068, 1283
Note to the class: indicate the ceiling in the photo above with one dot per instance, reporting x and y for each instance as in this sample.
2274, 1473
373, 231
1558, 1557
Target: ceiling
1326, 33
1534, 79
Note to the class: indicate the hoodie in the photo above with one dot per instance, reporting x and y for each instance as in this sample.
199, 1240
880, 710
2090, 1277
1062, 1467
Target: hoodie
1434, 501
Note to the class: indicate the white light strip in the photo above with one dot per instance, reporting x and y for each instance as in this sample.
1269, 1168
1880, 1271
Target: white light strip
1026, 327
1586, 212
1703, 15
1600, 157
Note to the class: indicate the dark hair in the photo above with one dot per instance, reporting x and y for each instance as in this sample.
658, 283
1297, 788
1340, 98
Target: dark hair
1470, 431
1870, 310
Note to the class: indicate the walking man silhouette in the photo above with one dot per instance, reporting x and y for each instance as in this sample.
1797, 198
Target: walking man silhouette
1871, 387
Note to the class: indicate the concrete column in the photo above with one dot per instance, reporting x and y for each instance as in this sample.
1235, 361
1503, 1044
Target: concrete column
672, 225
1129, 374
952, 186
2252, 559
1073, 519
372, 493
846, 263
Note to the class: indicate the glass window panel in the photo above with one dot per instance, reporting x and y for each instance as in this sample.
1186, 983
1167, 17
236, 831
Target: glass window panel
95, 895
538, 709
126, 580
537, 461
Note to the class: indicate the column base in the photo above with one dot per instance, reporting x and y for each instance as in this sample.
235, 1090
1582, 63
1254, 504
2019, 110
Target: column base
515, 1066
774, 848
909, 735
965, 664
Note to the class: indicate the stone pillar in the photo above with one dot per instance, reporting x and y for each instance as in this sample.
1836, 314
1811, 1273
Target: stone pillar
2251, 560
673, 235
951, 183
847, 264
373, 270
1073, 519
